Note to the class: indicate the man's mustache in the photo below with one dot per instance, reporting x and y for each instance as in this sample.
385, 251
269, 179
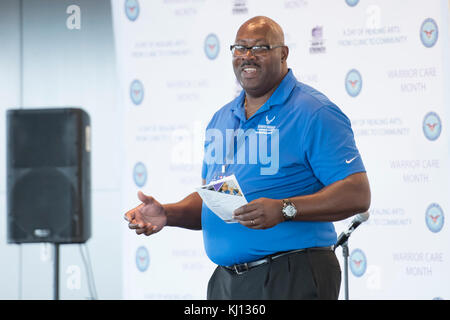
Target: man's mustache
249, 63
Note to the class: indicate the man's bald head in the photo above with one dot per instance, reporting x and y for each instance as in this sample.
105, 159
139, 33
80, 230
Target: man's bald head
272, 29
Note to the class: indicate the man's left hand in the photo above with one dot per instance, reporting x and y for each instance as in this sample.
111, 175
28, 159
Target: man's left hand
262, 213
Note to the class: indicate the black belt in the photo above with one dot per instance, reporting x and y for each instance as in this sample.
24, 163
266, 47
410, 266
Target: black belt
244, 267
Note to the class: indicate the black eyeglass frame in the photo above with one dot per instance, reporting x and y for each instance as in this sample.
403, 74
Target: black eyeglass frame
266, 46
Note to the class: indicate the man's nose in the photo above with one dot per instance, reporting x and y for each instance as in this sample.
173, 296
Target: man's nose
247, 57
249, 53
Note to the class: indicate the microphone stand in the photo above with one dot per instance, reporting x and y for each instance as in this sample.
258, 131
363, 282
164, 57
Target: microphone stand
343, 241
345, 255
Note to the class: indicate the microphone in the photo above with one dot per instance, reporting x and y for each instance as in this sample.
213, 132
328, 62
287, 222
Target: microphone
343, 237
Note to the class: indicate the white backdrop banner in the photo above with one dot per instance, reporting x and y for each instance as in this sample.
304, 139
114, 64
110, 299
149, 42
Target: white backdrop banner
384, 63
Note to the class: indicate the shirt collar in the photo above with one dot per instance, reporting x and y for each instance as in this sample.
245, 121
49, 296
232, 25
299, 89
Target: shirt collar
279, 96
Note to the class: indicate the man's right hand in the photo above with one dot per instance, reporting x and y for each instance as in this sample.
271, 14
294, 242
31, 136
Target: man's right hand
147, 218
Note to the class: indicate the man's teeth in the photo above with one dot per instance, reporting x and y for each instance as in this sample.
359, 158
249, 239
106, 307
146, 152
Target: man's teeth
249, 69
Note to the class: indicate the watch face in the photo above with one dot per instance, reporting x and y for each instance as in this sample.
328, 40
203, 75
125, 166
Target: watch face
290, 211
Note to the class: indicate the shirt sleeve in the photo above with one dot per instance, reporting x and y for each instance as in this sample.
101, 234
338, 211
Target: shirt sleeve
330, 147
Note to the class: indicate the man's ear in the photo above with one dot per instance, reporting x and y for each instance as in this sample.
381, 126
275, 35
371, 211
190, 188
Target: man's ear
284, 53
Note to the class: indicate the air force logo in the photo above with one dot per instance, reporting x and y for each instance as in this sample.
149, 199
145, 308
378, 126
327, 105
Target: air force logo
353, 83
212, 46
142, 259
358, 262
429, 33
136, 92
434, 217
432, 126
140, 174
132, 9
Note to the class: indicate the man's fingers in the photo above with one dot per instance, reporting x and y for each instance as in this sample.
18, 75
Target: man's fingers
252, 223
247, 216
138, 217
140, 230
250, 215
131, 214
150, 230
140, 226
143, 197
134, 225
244, 209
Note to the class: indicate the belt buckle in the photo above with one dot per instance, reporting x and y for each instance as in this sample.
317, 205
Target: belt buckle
241, 268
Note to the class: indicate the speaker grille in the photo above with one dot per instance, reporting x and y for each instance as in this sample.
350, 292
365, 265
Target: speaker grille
44, 139
44, 205
48, 176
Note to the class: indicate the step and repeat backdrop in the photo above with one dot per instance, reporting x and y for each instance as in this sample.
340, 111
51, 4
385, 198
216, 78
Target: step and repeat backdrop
385, 63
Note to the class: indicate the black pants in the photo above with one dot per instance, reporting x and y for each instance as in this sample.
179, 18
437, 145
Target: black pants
310, 274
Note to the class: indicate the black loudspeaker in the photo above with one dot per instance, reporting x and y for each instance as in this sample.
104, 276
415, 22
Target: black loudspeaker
48, 176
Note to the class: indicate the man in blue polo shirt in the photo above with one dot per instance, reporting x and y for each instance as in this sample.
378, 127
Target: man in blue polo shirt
293, 153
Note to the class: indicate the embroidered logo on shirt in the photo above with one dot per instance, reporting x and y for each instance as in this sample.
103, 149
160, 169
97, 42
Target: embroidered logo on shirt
265, 129
269, 121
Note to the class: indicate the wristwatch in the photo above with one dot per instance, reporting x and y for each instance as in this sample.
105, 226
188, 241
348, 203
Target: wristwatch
289, 210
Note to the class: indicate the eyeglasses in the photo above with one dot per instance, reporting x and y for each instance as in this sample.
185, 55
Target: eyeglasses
240, 50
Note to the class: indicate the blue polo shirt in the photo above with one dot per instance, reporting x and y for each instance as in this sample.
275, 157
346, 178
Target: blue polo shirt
297, 143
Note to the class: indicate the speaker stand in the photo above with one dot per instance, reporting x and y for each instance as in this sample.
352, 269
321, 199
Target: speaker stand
56, 272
